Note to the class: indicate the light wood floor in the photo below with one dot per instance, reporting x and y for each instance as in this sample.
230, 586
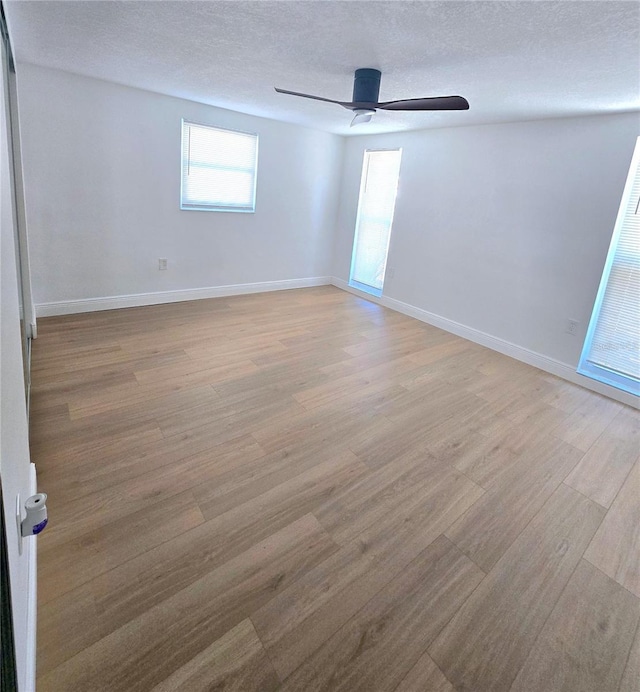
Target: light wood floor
305, 491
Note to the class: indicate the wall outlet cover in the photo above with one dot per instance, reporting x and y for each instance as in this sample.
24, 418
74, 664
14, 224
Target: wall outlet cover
572, 326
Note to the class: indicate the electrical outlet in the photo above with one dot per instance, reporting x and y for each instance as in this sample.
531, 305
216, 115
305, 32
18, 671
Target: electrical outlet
162, 264
572, 327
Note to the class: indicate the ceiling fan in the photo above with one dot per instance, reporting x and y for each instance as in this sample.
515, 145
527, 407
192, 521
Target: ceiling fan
366, 87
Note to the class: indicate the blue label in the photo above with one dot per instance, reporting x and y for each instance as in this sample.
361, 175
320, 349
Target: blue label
38, 527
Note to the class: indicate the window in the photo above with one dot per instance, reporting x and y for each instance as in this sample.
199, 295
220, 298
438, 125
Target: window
218, 169
611, 352
378, 188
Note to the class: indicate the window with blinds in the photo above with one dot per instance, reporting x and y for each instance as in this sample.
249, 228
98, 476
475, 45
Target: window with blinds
378, 188
611, 352
218, 169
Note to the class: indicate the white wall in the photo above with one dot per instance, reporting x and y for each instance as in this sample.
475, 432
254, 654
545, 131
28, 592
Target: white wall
14, 452
102, 182
502, 228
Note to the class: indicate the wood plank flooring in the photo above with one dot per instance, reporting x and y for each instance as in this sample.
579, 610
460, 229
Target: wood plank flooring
305, 491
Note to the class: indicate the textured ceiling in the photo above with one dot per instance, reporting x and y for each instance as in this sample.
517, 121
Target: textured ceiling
516, 60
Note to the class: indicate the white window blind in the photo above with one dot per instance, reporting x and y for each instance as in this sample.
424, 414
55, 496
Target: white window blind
611, 352
378, 188
218, 169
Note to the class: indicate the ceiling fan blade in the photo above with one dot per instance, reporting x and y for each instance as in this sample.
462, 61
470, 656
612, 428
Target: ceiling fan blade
437, 103
361, 116
344, 104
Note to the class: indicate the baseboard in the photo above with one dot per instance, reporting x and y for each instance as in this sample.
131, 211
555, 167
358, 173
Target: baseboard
32, 597
538, 360
70, 307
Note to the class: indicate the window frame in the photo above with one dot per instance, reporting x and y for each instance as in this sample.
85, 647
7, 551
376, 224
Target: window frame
214, 206
600, 373
354, 283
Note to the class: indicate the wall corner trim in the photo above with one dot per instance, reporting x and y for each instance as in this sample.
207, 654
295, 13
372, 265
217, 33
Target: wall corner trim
525, 355
70, 307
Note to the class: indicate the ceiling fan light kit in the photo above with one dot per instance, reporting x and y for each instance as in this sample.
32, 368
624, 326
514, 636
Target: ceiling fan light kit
362, 115
366, 91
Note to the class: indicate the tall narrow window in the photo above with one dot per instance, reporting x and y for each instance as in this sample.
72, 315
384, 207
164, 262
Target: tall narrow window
378, 188
218, 169
611, 352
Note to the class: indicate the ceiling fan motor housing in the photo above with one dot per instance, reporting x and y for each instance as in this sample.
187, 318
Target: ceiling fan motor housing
366, 85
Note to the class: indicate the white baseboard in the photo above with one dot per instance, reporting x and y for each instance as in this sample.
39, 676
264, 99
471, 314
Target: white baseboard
32, 597
70, 307
538, 360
